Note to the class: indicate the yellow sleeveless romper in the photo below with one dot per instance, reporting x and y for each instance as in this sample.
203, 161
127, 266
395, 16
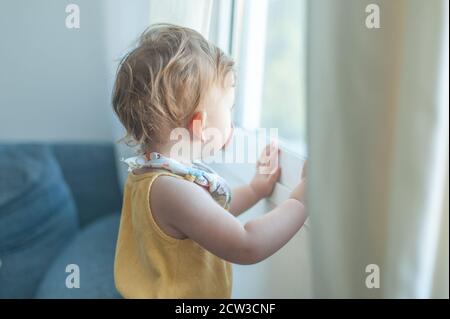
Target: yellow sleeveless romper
151, 264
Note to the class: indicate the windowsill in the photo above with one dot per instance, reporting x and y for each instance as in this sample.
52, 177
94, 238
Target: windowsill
291, 163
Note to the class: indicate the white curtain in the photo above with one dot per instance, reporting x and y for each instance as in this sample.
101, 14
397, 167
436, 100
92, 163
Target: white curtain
378, 148
194, 14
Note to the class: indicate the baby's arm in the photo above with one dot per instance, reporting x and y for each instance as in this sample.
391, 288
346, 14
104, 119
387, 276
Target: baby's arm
193, 212
243, 198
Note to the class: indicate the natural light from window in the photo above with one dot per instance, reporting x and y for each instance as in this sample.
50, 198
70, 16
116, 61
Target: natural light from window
271, 69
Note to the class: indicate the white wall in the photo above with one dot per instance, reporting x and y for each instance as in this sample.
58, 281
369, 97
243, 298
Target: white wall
52, 79
286, 274
55, 83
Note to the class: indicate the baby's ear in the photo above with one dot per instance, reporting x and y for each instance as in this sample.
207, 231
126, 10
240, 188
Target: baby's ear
197, 125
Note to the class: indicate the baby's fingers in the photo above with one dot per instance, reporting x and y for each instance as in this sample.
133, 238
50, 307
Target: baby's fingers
276, 175
304, 169
270, 150
268, 161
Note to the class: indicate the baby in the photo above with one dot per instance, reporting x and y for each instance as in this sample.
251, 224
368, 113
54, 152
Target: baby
178, 232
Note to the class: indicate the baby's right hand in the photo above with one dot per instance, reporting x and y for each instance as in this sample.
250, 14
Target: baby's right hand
299, 192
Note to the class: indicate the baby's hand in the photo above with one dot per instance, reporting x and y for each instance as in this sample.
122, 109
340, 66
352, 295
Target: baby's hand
267, 171
299, 191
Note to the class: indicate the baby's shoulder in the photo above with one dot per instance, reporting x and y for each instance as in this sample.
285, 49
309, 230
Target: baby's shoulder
166, 184
173, 199
175, 192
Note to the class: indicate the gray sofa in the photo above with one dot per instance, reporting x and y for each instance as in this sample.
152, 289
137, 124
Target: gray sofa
59, 206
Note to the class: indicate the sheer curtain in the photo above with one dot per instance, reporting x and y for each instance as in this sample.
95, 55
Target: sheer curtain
378, 148
195, 14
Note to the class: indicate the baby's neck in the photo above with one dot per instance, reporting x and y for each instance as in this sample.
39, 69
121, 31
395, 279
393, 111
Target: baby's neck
166, 150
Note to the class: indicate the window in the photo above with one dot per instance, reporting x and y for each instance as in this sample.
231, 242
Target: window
267, 40
269, 47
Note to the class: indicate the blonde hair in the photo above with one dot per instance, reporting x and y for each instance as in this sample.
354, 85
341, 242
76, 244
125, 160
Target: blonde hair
160, 84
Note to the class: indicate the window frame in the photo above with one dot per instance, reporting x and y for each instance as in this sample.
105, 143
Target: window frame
291, 161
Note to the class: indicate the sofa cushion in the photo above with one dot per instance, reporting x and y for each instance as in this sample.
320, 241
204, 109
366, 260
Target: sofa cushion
92, 250
37, 217
90, 171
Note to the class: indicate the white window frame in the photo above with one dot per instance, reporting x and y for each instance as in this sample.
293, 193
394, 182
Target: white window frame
228, 36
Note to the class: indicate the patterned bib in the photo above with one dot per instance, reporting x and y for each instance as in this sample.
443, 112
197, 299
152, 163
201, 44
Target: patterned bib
198, 173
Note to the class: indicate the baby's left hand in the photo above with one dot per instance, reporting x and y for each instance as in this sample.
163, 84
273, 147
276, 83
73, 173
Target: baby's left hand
267, 171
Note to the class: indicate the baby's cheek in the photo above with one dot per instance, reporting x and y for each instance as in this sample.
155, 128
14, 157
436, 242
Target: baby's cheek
222, 123
230, 136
